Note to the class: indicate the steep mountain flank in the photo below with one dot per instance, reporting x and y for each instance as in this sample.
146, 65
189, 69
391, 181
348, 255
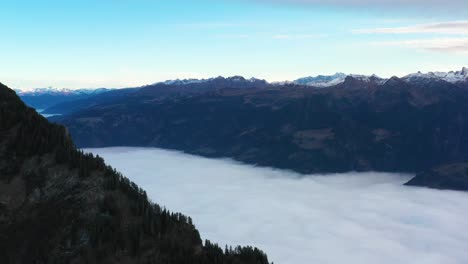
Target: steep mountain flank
59, 205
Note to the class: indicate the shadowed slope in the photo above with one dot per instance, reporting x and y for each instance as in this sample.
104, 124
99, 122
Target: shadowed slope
59, 205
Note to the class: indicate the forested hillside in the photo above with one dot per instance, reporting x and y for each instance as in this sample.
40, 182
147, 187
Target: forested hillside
59, 205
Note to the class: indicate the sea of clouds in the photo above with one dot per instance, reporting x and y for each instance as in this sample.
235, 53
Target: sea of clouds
341, 218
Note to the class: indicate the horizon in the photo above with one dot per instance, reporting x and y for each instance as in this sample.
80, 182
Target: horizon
133, 43
226, 77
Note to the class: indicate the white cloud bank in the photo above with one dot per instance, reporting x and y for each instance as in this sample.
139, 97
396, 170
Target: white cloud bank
344, 218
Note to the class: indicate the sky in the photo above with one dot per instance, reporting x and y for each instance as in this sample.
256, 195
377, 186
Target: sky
127, 43
351, 218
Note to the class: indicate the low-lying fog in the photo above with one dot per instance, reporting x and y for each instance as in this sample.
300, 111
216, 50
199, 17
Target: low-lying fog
342, 218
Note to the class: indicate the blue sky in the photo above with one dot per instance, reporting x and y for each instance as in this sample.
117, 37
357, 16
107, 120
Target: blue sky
121, 43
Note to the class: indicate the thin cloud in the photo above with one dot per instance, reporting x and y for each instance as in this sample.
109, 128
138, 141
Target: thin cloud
394, 4
298, 36
211, 25
233, 36
281, 36
452, 27
445, 45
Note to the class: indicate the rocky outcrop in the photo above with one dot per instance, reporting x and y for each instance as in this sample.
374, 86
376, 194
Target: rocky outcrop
453, 176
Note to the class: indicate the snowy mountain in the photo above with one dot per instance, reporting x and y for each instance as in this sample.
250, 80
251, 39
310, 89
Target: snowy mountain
42, 98
323, 81
183, 81
60, 91
179, 82
371, 78
451, 76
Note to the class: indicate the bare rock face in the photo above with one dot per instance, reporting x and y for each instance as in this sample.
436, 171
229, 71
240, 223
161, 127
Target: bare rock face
59, 205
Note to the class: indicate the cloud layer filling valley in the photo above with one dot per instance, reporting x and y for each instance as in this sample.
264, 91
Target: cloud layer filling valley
343, 218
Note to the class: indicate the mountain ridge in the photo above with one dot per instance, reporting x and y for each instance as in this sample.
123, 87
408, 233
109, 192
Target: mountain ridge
317, 81
357, 125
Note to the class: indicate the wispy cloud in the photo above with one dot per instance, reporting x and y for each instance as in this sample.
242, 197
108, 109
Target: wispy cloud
233, 36
297, 36
211, 25
394, 4
452, 27
447, 45
455, 40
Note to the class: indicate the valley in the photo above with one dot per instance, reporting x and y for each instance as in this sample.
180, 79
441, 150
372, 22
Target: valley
339, 218
411, 124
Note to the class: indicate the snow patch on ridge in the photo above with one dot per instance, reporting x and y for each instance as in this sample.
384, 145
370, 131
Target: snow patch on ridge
451, 76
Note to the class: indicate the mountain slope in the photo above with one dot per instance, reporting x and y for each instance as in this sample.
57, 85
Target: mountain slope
354, 126
357, 125
59, 205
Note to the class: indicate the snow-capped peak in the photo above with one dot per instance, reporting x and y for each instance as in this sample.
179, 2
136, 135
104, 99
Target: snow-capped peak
322, 80
191, 81
451, 76
183, 81
331, 80
367, 78
61, 91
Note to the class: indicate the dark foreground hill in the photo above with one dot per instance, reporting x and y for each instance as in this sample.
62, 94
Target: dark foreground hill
58, 205
358, 125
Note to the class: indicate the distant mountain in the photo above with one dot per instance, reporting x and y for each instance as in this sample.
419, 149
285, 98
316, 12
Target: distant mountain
160, 91
323, 81
58, 91
84, 102
454, 77
64, 101
59, 205
43, 98
364, 123
238, 79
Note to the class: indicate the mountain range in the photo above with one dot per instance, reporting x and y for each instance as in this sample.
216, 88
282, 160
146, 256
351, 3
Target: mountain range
403, 124
42, 98
54, 101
